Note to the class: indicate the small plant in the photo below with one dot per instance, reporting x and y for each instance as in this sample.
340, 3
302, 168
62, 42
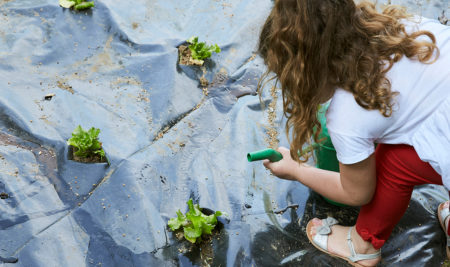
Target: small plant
76, 4
86, 144
200, 50
195, 223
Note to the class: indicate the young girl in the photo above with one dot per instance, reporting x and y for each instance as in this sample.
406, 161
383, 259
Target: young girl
388, 78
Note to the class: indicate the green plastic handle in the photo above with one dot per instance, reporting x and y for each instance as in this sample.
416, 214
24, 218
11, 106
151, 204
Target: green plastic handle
268, 153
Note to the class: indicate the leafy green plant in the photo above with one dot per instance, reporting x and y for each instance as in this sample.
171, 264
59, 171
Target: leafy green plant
194, 223
76, 4
200, 50
86, 143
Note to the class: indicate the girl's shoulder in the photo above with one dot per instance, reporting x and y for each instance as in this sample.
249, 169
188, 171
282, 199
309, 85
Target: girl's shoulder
345, 116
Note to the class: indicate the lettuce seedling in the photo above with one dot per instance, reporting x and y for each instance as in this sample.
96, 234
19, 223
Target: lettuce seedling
200, 50
195, 223
86, 143
76, 4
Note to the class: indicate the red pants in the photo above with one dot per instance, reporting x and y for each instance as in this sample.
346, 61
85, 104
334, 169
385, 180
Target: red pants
399, 169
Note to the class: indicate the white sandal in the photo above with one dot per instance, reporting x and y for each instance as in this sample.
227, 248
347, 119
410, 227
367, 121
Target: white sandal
443, 213
320, 241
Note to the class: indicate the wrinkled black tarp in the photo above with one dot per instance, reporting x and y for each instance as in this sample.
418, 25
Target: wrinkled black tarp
115, 68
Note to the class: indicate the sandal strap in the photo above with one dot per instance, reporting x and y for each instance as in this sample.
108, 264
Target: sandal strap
355, 256
443, 214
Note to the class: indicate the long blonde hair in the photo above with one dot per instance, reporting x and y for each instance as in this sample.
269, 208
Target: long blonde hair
315, 46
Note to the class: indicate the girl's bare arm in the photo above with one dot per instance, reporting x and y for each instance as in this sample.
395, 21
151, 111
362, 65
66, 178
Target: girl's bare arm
354, 185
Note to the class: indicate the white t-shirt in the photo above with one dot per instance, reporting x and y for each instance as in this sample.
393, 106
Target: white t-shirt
421, 113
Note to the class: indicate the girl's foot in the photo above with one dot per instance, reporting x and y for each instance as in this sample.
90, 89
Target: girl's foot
445, 205
444, 217
337, 242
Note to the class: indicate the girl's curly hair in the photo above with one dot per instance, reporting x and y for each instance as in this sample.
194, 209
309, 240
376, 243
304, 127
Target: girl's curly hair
315, 46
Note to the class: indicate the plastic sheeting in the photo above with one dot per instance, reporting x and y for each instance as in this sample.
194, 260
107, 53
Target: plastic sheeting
168, 139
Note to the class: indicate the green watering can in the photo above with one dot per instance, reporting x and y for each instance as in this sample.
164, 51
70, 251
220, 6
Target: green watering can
324, 151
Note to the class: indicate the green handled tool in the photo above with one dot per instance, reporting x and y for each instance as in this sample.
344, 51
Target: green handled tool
268, 153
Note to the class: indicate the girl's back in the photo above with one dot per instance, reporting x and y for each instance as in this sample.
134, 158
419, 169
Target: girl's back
420, 114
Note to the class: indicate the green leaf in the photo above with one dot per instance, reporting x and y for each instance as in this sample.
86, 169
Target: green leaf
207, 228
196, 220
192, 233
86, 142
66, 3
176, 223
200, 50
194, 210
195, 223
193, 40
78, 131
217, 49
211, 219
84, 5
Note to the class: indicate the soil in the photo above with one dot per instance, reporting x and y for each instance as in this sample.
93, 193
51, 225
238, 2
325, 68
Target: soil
202, 251
207, 251
185, 58
64, 86
91, 159
204, 82
272, 133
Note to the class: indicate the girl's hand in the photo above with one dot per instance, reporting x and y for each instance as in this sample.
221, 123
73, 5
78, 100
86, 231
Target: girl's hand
285, 168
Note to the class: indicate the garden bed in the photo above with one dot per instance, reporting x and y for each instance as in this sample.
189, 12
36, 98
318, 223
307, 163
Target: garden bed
172, 132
